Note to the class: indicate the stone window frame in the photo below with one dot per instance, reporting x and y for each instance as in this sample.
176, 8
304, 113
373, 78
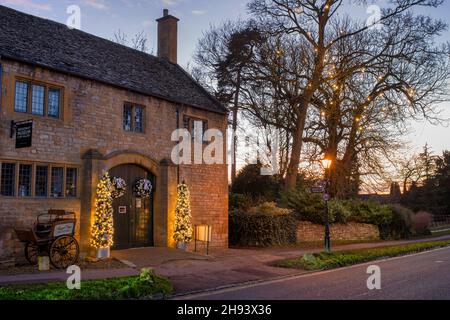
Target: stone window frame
50, 165
190, 121
134, 106
47, 87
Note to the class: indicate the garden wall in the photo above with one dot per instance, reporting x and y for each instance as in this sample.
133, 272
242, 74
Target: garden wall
309, 232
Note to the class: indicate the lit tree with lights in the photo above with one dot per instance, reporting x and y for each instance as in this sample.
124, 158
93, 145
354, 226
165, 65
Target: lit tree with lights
183, 225
103, 227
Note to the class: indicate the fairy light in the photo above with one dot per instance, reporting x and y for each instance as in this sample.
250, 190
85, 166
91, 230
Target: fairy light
102, 233
183, 226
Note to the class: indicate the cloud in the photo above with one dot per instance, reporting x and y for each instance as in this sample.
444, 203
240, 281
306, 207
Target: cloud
198, 12
28, 3
96, 4
171, 2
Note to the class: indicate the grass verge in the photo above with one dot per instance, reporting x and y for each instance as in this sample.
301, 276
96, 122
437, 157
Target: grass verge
147, 286
324, 261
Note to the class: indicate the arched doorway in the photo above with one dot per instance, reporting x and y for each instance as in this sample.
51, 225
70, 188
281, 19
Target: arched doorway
133, 217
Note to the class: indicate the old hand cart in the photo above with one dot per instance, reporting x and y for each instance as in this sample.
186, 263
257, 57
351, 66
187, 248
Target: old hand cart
52, 235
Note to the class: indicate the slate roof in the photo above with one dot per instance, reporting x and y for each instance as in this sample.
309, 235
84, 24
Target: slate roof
53, 45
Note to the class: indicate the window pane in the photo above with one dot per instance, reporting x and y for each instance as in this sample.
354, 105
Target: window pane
71, 182
8, 178
186, 121
41, 181
57, 182
127, 117
139, 119
37, 100
21, 101
25, 180
54, 98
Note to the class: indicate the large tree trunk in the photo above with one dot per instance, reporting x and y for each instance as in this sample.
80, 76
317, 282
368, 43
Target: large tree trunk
234, 126
297, 142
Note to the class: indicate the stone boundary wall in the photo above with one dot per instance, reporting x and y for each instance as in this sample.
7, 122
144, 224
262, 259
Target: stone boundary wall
309, 232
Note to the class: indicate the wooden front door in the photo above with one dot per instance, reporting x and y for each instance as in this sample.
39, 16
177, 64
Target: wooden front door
133, 217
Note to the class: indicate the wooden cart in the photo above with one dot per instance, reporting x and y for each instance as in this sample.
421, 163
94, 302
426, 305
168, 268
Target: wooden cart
52, 235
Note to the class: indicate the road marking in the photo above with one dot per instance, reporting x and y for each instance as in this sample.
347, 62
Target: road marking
214, 292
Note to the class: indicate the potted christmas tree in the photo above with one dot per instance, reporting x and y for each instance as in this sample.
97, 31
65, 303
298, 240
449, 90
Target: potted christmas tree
103, 229
183, 226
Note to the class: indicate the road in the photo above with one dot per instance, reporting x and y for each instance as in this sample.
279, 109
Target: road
424, 276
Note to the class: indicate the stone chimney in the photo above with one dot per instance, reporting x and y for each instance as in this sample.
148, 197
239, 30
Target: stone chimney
168, 37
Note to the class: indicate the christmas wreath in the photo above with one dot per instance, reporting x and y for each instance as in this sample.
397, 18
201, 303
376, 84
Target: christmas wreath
118, 187
142, 188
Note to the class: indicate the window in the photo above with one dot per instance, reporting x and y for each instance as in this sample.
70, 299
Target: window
37, 98
41, 184
17, 179
192, 124
127, 112
138, 119
133, 118
21, 103
25, 173
57, 182
36, 95
54, 100
8, 177
71, 182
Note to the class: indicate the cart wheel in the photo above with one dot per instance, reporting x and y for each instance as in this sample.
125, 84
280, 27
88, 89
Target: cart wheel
31, 253
64, 252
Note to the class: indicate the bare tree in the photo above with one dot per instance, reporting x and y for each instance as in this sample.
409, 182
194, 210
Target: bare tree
310, 22
138, 42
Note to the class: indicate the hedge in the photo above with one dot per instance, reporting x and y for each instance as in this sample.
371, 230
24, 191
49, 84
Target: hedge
262, 229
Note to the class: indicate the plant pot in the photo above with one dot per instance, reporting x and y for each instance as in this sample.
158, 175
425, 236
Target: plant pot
103, 253
182, 246
44, 263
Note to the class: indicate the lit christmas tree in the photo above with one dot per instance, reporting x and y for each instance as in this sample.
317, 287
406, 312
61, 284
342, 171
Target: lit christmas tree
183, 225
103, 228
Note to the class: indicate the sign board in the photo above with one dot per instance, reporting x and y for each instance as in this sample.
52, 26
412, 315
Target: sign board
122, 209
63, 229
138, 203
24, 134
203, 233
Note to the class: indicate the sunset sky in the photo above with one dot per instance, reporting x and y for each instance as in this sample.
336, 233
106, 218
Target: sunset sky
105, 17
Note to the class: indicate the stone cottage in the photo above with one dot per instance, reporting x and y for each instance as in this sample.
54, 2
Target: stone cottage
97, 106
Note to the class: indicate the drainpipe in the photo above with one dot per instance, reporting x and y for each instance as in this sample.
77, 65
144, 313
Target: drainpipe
178, 127
1, 83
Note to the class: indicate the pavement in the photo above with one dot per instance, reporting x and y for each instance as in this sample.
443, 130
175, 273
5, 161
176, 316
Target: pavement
192, 272
422, 276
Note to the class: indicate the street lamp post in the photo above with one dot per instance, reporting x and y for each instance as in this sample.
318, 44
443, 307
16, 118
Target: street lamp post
327, 166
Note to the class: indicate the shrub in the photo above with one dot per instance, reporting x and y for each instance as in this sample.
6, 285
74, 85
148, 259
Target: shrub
147, 286
421, 222
239, 201
400, 225
262, 226
325, 260
306, 206
269, 209
249, 181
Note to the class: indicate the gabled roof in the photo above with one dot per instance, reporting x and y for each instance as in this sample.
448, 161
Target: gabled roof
52, 45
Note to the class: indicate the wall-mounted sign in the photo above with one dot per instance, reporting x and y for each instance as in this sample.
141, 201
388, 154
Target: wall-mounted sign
24, 134
122, 209
138, 203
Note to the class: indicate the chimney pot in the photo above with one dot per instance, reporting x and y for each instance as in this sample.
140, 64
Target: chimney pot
168, 37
